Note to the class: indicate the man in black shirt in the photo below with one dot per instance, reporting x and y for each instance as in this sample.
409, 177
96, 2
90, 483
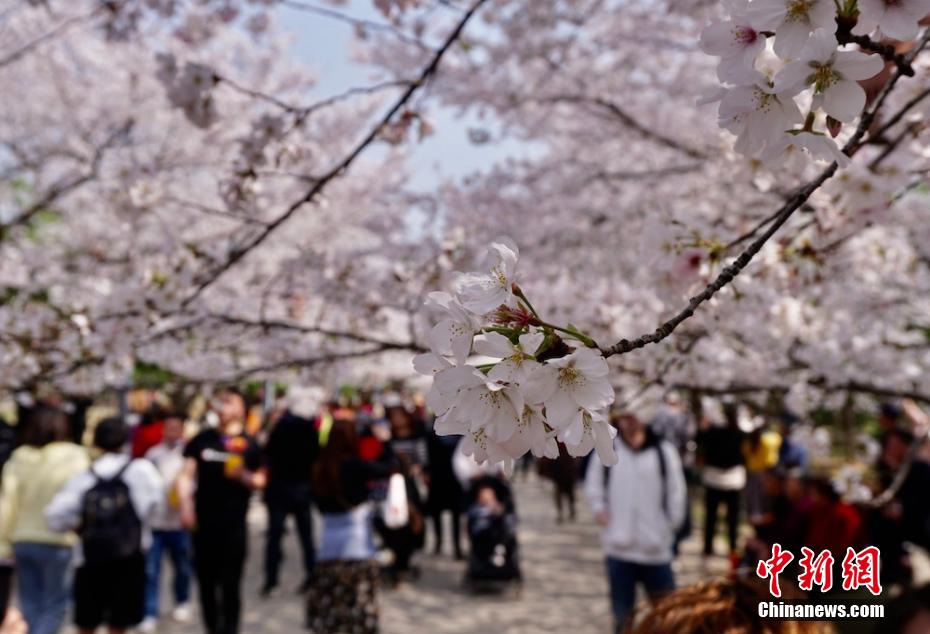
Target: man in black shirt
290, 453
224, 466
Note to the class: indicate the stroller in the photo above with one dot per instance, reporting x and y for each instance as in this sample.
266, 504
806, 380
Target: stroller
493, 564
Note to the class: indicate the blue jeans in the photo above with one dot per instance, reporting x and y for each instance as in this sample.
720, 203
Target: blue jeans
623, 577
178, 545
44, 580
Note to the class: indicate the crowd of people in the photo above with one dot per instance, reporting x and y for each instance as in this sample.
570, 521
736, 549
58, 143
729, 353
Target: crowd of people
157, 485
762, 475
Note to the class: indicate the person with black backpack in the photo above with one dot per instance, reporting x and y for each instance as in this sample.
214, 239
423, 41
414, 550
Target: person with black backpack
110, 506
640, 503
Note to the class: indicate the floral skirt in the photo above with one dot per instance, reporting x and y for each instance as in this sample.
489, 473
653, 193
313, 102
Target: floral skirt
342, 598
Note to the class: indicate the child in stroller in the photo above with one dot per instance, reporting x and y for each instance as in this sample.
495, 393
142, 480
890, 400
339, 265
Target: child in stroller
492, 564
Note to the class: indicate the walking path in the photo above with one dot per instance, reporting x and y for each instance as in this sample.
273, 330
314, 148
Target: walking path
564, 591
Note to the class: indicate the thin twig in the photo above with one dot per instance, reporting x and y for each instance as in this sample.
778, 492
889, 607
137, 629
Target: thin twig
58, 30
342, 166
630, 122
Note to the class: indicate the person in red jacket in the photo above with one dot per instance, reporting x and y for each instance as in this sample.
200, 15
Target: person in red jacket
835, 525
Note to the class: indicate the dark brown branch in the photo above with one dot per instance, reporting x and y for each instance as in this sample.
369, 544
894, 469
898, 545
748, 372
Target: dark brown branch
915, 100
630, 122
290, 364
730, 271
343, 165
887, 51
267, 325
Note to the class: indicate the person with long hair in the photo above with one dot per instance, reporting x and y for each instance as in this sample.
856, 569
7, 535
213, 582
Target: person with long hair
35, 472
342, 593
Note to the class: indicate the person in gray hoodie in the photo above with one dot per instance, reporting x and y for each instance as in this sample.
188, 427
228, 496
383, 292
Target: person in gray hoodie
640, 503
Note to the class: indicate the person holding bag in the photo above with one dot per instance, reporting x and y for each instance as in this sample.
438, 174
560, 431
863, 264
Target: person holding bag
342, 593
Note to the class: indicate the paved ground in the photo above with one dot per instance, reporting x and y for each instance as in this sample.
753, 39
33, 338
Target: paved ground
564, 589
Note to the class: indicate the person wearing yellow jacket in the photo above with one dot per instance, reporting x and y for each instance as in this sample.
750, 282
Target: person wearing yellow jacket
33, 475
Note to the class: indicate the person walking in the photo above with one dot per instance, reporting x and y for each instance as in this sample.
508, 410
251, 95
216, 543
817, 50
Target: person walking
639, 502
222, 467
563, 471
35, 472
342, 593
290, 452
724, 476
111, 504
168, 535
760, 453
445, 491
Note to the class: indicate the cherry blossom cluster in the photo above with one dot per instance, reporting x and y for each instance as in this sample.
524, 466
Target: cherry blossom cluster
790, 81
508, 381
190, 89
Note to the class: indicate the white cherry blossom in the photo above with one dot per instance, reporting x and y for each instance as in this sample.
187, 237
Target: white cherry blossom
817, 144
590, 430
483, 293
453, 335
899, 19
571, 383
792, 20
736, 43
479, 445
757, 114
494, 407
516, 360
532, 434
833, 75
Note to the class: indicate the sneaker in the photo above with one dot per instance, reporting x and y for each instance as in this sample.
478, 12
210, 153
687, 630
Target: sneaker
182, 613
148, 625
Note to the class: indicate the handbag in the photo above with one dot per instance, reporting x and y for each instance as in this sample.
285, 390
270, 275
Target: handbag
395, 512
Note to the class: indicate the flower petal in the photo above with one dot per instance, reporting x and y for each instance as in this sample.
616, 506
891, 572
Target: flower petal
604, 442
541, 384
899, 24
844, 100
560, 409
856, 65
494, 344
593, 393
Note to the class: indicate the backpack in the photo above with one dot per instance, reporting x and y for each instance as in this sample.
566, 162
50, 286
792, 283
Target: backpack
110, 528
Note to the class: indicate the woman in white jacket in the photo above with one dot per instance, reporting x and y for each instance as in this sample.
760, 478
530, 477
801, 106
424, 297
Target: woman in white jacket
640, 503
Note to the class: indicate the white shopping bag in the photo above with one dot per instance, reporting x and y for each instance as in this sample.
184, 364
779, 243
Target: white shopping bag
394, 510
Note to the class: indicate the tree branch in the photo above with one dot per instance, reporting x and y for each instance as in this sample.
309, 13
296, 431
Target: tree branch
630, 122
785, 211
58, 30
342, 166
60, 189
